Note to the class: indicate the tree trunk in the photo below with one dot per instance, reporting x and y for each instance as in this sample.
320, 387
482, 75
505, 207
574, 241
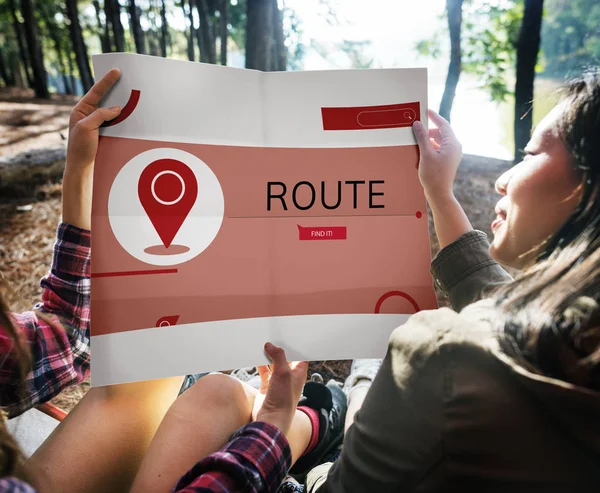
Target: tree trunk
72, 73
54, 33
102, 31
223, 32
36, 55
79, 48
528, 47
190, 16
208, 52
112, 8
20, 43
454, 8
136, 28
259, 34
279, 56
5, 74
164, 29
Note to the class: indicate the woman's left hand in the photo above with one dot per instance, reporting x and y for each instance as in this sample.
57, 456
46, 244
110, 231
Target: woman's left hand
280, 389
85, 121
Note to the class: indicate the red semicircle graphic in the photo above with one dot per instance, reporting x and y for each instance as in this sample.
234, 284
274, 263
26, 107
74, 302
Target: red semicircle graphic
127, 110
391, 294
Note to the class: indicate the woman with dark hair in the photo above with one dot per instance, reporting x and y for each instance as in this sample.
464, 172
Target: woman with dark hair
503, 393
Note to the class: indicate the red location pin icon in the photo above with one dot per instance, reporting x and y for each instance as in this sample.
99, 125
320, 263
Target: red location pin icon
167, 190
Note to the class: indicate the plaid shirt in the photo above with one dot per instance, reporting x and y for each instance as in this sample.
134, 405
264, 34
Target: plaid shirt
57, 333
255, 460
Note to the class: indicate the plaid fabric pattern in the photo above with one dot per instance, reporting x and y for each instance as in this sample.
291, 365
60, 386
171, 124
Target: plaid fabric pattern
56, 333
255, 460
13, 485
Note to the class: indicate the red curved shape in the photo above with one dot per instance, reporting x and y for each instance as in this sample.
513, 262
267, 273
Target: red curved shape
127, 110
167, 321
390, 294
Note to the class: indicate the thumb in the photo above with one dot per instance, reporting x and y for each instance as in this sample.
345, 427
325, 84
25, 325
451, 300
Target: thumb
98, 117
422, 137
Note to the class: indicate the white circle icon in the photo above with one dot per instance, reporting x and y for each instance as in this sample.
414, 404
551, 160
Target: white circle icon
134, 230
164, 202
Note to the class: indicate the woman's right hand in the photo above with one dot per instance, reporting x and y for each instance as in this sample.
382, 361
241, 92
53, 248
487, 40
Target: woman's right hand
441, 153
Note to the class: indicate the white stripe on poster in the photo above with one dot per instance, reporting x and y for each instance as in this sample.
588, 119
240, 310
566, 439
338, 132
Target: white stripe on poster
147, 354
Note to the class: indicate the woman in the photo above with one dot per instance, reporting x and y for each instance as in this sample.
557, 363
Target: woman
502, 394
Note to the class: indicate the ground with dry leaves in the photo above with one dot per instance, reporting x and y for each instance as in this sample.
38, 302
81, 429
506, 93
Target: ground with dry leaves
27, 233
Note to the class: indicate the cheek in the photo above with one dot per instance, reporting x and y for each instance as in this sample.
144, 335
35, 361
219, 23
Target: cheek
541, 199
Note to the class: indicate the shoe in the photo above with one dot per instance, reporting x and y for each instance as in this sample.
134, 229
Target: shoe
248, 375
362, 374
190, 380
331, 403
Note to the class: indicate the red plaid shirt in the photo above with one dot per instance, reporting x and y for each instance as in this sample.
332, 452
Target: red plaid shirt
57, 332
255, 460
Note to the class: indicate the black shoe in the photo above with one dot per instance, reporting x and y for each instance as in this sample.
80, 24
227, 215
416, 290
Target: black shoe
331, 404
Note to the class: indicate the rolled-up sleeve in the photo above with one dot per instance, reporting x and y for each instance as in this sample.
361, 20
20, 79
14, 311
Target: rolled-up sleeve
465, 270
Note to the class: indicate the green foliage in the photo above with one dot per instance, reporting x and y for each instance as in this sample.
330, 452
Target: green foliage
489, 34
570, 36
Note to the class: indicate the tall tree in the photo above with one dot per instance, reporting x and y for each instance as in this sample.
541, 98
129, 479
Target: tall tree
187, 12
164, 29
112, 9
5, 73
79, 47
223, 31
55, 35
20, 42
259, 34
103, 33
279, 57
36, 55
136, 28
528, 47
208, 51
454, 9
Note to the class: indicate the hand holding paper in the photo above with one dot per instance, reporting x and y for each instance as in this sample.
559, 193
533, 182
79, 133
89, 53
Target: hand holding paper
86, 118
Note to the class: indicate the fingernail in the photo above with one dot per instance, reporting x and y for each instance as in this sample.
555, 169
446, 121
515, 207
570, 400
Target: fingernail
268, 345
115, 108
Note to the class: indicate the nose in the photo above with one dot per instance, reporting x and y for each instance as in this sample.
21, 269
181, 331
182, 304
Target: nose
502, 182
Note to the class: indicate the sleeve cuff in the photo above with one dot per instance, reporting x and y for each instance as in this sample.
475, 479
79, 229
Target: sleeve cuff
72, 251
469, 253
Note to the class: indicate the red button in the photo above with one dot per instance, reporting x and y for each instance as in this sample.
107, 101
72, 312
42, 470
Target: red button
371, 117
322, 233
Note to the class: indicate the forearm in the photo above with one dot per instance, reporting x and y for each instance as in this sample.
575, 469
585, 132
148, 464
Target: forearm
449, 218
77, 197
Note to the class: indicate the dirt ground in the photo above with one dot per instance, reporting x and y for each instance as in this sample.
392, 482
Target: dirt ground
27, 229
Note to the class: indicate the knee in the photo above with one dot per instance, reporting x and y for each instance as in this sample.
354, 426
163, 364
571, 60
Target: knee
219, 390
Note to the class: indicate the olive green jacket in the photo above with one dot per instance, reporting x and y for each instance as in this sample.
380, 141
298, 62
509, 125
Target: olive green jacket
449, 411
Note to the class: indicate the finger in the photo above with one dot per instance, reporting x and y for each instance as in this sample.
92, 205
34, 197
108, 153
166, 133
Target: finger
434, 133
436, 118
435, 145
93, 97
442, 124
422, 137
264, 373
300, 368
98, 117
277, 356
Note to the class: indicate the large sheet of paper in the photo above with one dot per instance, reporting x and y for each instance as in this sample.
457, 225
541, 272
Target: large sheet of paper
233, 207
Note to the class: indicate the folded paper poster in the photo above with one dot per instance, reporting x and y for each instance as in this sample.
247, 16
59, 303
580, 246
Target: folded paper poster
233, 207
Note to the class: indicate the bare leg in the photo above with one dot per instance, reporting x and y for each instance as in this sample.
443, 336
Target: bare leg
198, 424
101, 443
355, 402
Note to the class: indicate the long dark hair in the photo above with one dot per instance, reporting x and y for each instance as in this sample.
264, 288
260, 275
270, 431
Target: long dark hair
553, 308
11, 459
